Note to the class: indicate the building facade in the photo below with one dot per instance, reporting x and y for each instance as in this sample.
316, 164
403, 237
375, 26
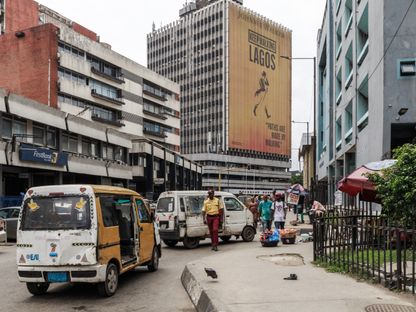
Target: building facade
307, 153
52, 60
366, 88
235, 92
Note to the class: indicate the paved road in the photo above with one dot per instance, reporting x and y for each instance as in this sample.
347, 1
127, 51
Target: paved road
138, 290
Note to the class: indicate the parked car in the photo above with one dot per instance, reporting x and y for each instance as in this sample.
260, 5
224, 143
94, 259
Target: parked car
10, 215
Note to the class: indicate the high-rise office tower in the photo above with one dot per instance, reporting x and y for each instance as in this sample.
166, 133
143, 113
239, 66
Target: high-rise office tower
233, 67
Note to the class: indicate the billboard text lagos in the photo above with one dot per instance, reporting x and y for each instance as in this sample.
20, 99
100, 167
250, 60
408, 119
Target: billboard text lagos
259, 95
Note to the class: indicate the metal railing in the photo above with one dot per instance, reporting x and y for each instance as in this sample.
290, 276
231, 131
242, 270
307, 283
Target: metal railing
358, 240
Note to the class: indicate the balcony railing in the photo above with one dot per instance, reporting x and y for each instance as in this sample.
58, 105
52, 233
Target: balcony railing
118, 79
116, 122
160, 134
106, 98
154, 114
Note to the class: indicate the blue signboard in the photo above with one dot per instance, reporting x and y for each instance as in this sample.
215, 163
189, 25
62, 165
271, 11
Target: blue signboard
42, 155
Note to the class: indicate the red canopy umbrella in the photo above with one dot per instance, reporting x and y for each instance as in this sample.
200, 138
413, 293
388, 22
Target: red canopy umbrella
358, 183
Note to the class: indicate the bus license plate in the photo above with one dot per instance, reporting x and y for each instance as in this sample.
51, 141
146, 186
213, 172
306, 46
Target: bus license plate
57, 277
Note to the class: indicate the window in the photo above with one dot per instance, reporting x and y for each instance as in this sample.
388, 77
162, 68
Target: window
407, 68
119, 154
69, 143
7, 128
348, 123
166, 204
231, 204
56, 213
103, 89
194, 204
338, 134
144, 215
38, 134
362, 105
348, 67
108, 211
338, 87
362, 36
51, 138
19, 127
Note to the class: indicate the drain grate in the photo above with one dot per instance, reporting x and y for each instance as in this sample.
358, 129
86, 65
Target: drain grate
389, 308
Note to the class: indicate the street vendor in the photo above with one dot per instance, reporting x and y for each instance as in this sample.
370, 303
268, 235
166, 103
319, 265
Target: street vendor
253, 206
265, 211
279, 211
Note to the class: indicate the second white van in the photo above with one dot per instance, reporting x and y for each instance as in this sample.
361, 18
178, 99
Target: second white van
180, 218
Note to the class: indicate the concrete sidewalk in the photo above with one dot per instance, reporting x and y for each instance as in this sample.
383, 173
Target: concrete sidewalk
250, 278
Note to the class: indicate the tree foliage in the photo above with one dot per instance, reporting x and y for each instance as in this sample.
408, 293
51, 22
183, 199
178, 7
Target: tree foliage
296, 178
396, 186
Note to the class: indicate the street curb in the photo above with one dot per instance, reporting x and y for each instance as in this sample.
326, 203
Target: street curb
204, 300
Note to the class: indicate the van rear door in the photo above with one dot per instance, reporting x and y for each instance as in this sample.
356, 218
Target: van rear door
57, 229
195, 226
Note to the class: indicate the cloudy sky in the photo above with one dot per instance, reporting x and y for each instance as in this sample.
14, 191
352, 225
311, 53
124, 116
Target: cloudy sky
125, 23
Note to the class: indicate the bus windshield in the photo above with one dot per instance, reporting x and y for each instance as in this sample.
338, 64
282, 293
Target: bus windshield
56, 213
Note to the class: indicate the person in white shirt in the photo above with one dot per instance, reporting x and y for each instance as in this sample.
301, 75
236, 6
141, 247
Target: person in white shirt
279, 211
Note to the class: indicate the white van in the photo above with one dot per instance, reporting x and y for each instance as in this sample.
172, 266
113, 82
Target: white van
180, 218
84, 233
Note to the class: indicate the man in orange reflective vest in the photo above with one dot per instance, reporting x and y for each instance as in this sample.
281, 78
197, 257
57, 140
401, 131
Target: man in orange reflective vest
212, 212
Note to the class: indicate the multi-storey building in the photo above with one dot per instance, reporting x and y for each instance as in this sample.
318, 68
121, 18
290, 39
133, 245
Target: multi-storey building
235, 92
366, 88
55, 61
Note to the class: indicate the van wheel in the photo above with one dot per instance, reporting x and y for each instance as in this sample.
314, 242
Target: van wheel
37, 289
248, 234
170, 243
109, 287
154, 264
225, 238
191, 242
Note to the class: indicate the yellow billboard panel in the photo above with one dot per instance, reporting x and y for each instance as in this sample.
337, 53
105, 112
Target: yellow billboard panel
259, 110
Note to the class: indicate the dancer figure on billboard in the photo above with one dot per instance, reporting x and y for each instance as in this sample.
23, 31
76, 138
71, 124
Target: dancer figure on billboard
264, 86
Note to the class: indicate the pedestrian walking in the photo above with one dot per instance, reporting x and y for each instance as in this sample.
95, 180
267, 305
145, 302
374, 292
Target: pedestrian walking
279, 211
299, 211
212, 212
265, 211
253, 206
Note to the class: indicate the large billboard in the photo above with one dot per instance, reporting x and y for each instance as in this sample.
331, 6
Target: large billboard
259, 109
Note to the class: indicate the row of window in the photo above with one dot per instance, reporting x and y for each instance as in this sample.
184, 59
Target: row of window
104, 67
156, 90
208, 19
156, 128
44, 135
208, 56
208, 44
98, 64
96, 86
96, 111
208, 32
